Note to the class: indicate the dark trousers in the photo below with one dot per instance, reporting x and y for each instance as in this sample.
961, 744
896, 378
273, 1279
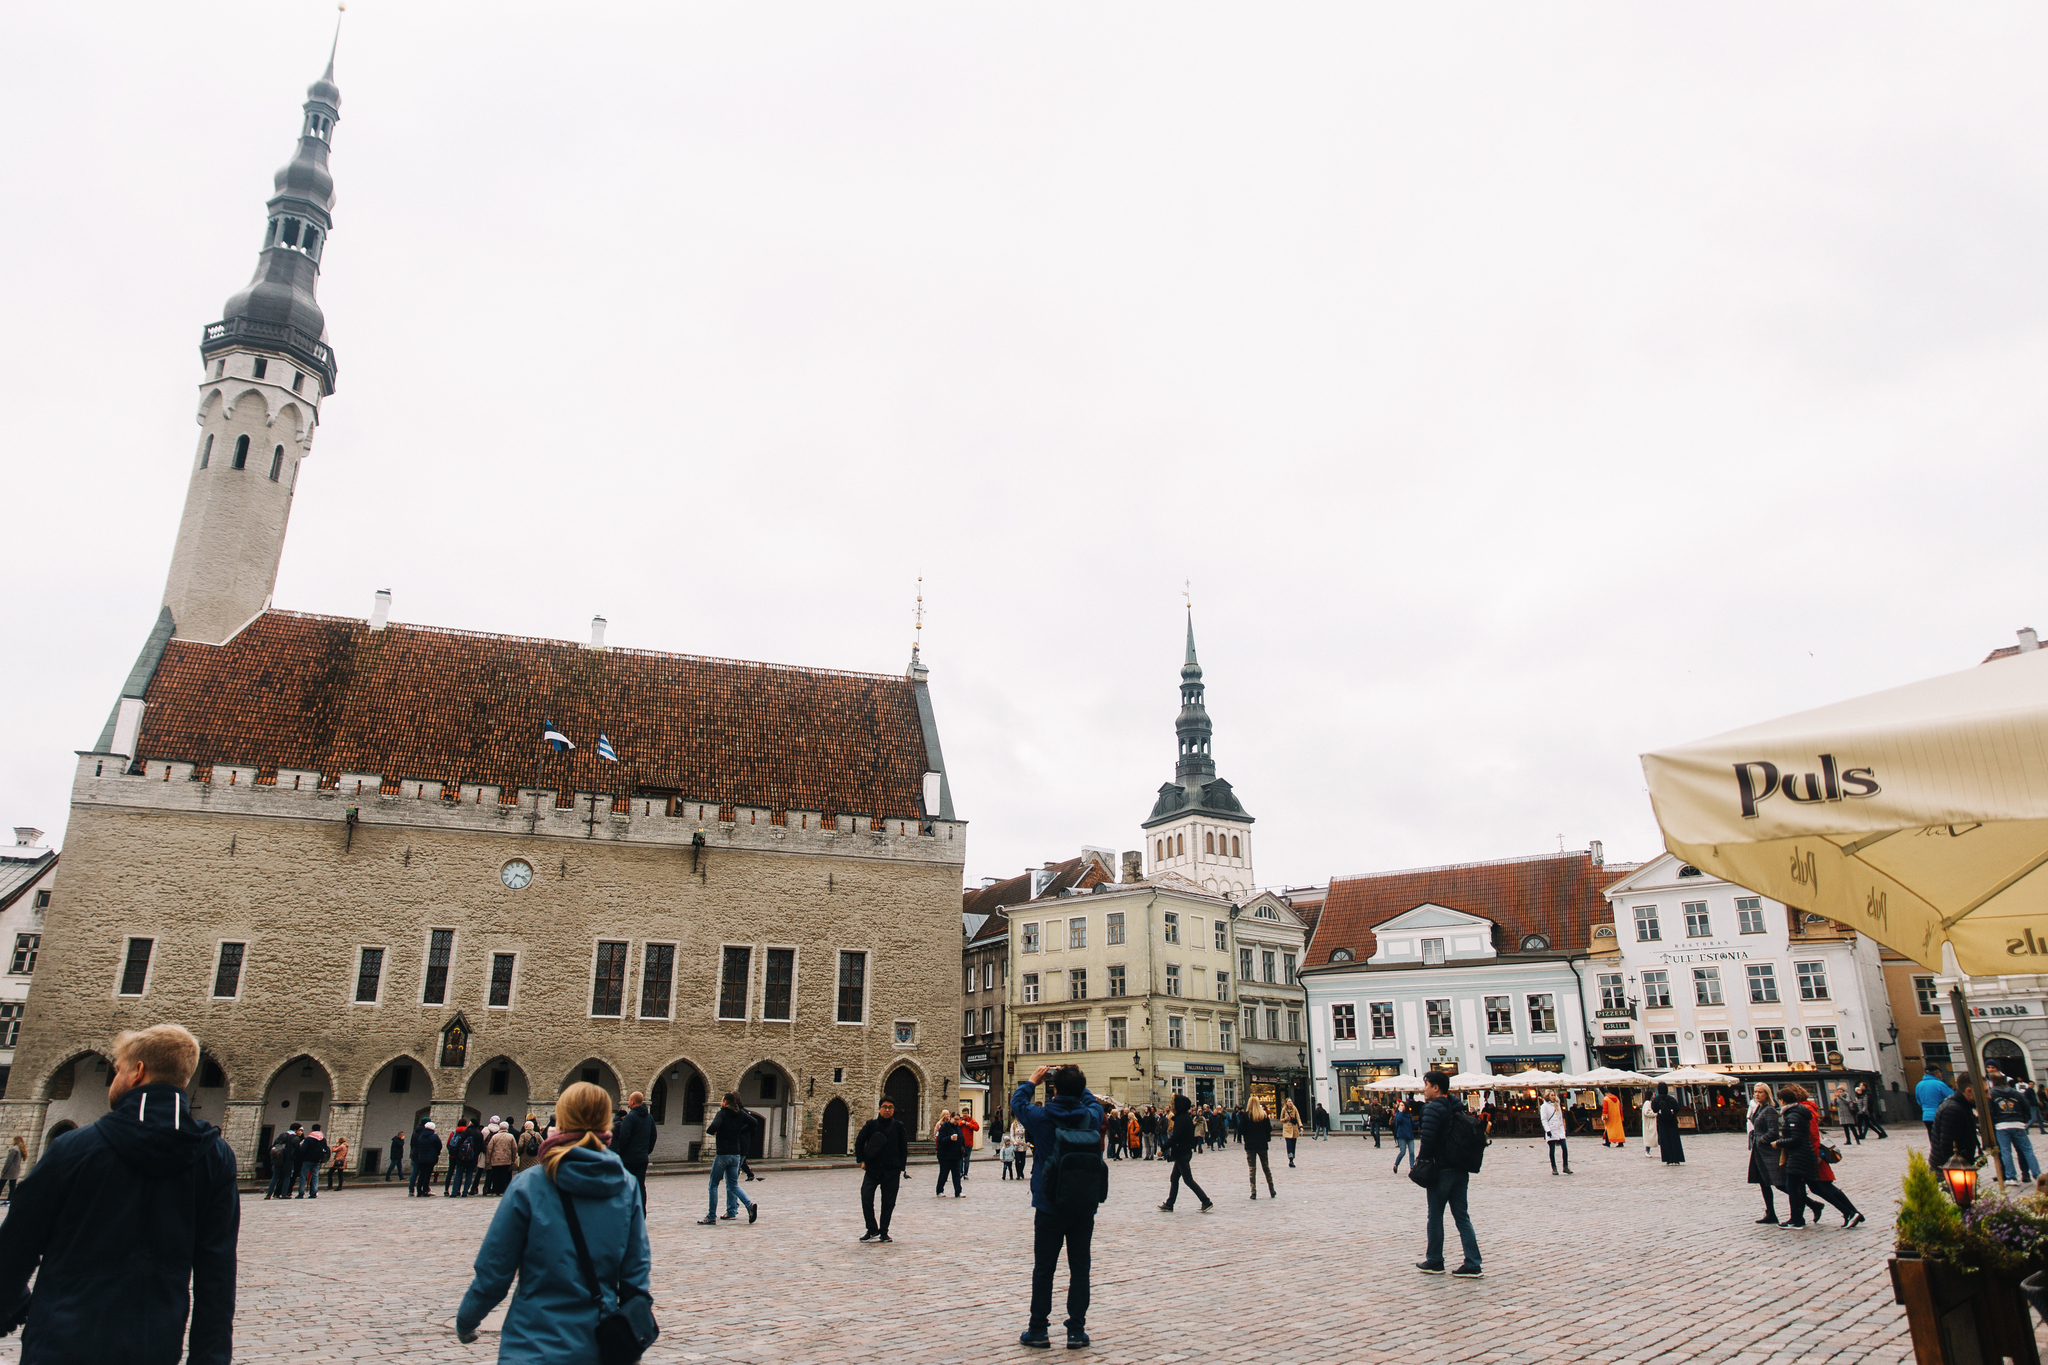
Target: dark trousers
1800, 1193
949, 1165
637, 1169
1869, 1124
1290, 1150
1557, 1147
280, 1179
1180, 1173
886, 1182
1449, 1192
1049, 1231
1255, 1160
394, 1167
422, 1178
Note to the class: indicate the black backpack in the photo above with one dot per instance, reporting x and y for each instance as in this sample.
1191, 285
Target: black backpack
1464, 1142
1076, 1176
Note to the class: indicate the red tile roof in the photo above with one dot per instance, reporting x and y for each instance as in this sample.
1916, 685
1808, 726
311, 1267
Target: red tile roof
1074, 874
1559, 895
326, 693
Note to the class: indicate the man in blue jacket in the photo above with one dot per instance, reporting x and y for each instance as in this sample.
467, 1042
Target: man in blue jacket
1451, 1184
133, 1222
1071, 1106
1929, 1094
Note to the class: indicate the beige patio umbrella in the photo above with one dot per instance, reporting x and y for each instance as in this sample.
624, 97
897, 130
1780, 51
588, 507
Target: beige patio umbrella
1917, 815
1692, 1075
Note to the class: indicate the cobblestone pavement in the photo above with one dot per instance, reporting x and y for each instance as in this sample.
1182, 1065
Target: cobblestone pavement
1629, 1260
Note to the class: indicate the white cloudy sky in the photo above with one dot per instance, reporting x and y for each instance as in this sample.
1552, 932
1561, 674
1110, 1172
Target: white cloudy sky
1521, 387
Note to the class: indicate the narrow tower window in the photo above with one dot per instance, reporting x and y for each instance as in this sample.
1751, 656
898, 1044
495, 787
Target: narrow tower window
242, 448
290, 235
298, 380
220, 367
206, 451
311, 240
262, 367
1233, 847
276, 463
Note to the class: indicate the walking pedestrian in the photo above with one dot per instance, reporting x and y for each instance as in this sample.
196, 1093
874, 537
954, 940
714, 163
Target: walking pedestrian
10, 1173
1319, 1120
395, 1163
1148, 1125
426, 1154
969, 1128
1290, 1127
633, 1141
2009, 1127
946, 1143
312, 1156
1805, 1169
1931, 1093
730, 1127
1258, 1136
1610, 1116
1216, 1129
574, 1235
1867, 1105
1845, 1114
1953, 1134
1442, 1144
1180, 1146
1766, 1159
1552, 1118
1070, 1109
1666, 1109
883, 1150
1372, 1122
1404, 1137
503, 1149
128, 1224
337, 1165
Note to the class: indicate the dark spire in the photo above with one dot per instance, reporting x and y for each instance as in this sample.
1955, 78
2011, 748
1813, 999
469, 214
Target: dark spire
279, 311
1195, 763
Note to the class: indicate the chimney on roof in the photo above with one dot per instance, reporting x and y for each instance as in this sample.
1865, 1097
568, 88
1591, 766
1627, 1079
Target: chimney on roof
987, 882
597, 632
25, 835
1599, 854
381, 612
1134, 866
2028, 640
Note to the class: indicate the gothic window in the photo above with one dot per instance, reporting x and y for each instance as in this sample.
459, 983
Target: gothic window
242, 448
1209, 838
206, 451
276, 463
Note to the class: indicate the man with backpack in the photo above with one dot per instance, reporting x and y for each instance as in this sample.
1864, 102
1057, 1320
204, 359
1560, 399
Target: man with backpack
461, 1159
1069, 1180
1452, 1147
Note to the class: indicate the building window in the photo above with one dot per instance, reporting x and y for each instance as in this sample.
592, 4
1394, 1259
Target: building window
1180, 1085
206, 450
1382, 1012
988, 1019
1030, 933
1344, 1023
1077, 932
657, 979
1770, 1045
967, 1024
27, 945
1055, 1036
1224, 1042
1077, 983
1031, 988
1664, 1046
1613, 995
608, 981
1173, 978
778, 987
1749, 915
440, 952
42, 900
1222, 936
1273, 1023
1117, 985
1813, 980
1439, 1019
1251, 1023
135, 970
1821, 1041
1287, 966
1119, 1032
1244, 964
1697, 924
369, 972
988, 976
227, 972
401, 1079
1719, 1053
263, 365
1172, 926
1234, 847
1543, 1013
1934, 1056
10, 1025
1176, 1031
1499, 1018
1924, 995
501, 1080
1763, 984
1657, 990
1029, 1042
1115, 930
501, 980
1077, 1035
735, 973
1266, 968
1223, 985
276, 463
853, 982
1294, 1026
1646, 924
1706, 985
1432, 951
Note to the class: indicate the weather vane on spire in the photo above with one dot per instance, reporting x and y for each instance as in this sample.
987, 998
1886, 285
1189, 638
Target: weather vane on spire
1187, 593
918, 616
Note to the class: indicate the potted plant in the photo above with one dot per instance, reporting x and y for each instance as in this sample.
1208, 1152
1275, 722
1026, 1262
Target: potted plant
1958, 1269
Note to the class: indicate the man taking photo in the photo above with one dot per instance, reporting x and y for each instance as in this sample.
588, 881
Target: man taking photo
133, 1223
1059, 1219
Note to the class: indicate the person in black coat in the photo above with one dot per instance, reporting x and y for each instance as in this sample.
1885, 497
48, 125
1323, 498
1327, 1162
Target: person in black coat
1180, 1147
426, 1154
1258, 1136
633, 1140
949, 1143
1954, 1130
1766, 1167
396, 1166
1805, 1171
1668, 1142
883, 1150
129, 1225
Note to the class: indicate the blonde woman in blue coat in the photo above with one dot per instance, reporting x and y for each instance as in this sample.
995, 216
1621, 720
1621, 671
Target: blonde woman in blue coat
553, 1318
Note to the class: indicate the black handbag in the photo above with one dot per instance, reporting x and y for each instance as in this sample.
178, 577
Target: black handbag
1423, 1171
622, 1337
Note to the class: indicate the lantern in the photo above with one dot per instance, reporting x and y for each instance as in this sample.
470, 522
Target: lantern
1962, 1182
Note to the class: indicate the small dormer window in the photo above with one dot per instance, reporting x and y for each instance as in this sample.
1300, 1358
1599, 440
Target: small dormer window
1340, 955
1432, 950
1689, 871
1535, 943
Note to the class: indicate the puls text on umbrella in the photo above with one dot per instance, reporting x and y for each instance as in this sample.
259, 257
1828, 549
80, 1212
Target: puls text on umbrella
1758, 781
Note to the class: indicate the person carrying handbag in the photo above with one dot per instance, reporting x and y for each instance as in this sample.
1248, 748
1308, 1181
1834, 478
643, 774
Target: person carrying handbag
572, 1231
1807, 1168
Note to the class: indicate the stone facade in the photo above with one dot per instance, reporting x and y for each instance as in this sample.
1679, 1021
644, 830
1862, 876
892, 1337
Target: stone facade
193, 865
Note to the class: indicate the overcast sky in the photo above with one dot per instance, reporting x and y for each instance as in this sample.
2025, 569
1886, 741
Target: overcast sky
1520, 387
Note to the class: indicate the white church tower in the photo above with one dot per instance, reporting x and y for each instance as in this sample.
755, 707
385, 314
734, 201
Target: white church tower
268, 366
1197, 828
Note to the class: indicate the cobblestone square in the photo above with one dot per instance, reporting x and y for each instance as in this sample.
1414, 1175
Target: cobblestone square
1628, 1260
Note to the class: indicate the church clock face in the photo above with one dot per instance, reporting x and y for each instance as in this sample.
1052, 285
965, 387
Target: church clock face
516, 874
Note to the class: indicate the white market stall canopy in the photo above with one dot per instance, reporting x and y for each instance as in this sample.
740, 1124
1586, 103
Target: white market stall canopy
1610, 1076
1693, 1075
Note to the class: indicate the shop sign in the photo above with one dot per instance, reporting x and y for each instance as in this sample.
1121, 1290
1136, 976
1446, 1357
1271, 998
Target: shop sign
1614, 1014
1997, 1011
1679, 959
1202, 1068
977, 1057
1621, 1027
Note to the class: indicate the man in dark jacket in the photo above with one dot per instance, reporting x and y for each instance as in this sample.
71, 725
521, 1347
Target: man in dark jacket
284, 1164
1071, 1106
883, 1150
732, 1126
426, 1154
1954, 1130
312, 1155
1449, 1188
133, 1223
633, 1140
1148, 1132
397, 1164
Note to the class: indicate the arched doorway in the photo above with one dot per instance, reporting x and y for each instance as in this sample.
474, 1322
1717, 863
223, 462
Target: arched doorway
832, 1128
599, 1074
769, 1092
77, 1092
498, 1087
677, 1104
902, 1089
59, 1130
2008, 1056
209, 1090
394, 1107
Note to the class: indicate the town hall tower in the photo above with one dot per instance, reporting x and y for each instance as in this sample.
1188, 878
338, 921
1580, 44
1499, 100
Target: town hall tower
1197, 827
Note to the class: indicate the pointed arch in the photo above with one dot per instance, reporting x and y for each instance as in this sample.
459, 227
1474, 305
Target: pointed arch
297, 416
419, 1085
236, 406
61, 1077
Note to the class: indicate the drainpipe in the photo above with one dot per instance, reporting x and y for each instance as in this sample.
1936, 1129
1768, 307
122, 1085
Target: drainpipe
1585, 1022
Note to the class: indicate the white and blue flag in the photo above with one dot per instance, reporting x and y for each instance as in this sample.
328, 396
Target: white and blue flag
557, 741
605, 750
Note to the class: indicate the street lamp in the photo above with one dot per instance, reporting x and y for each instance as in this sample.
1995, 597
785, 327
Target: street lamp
1893, 1029
1962, 1182
1138, 1065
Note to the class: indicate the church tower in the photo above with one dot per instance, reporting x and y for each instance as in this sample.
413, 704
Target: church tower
268, 366
1197, 829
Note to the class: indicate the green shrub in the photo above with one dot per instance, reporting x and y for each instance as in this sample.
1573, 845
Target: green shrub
1929, 1221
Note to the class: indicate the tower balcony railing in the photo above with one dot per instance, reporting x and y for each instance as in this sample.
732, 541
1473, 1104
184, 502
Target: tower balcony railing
301, 346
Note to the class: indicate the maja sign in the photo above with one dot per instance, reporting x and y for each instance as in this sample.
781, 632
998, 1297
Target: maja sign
1757, 781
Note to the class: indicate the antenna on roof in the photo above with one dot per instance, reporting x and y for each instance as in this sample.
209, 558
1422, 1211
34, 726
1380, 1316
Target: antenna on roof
917, 616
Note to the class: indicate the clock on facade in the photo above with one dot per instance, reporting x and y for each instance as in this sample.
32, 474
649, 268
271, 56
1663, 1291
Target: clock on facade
516, 874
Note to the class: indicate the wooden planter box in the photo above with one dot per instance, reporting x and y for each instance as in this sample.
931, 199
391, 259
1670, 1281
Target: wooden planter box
1961, 1318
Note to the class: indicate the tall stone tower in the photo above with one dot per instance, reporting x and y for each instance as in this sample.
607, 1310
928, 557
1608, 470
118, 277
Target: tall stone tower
1197, 827
268, 366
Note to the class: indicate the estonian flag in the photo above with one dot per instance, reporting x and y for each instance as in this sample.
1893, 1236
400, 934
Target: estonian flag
605, 750
558, 741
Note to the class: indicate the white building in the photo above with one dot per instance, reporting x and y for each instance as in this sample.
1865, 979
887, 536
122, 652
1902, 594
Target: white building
1273, 1034
28, 877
